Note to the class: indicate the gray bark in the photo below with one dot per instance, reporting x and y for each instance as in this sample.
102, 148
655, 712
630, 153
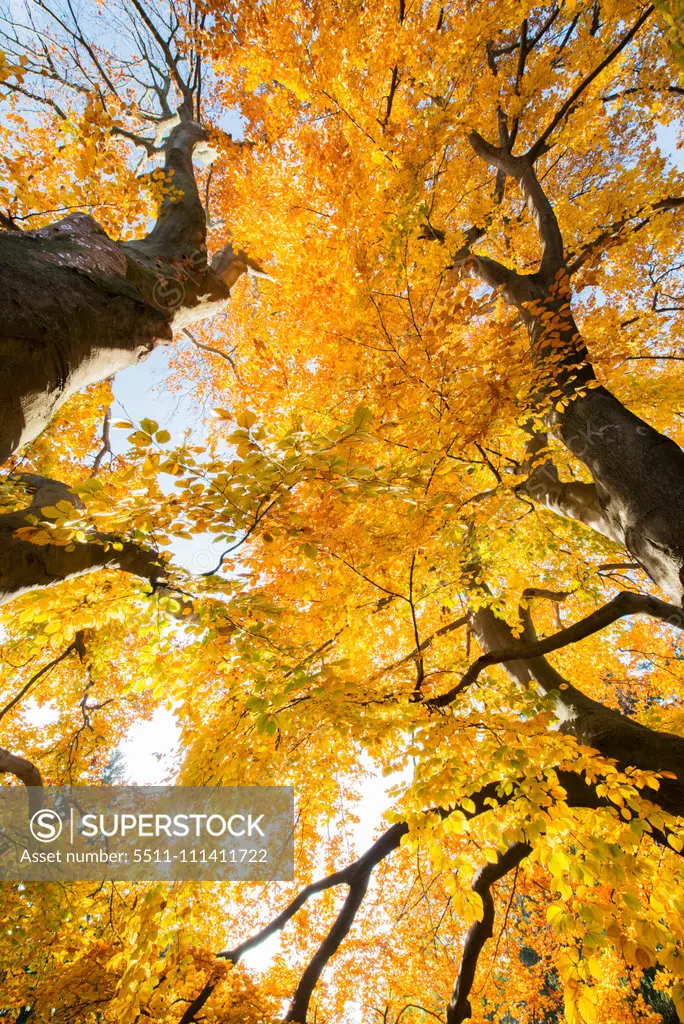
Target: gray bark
612, 734
639, 478
573, 500
637, 496
77, 306
25, 566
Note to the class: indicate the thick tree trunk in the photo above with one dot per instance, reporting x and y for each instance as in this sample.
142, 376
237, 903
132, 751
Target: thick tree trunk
639, 478
637, 497
76, 306
69, 317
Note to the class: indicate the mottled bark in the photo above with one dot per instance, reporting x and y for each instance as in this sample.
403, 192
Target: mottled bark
26, 566
77, 306
639, 478
637, 497
571, 499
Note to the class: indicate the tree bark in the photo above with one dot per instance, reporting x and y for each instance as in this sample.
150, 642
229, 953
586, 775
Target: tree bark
638, 473
459, 1008
26, 566
29, 774
637, 496
639, 478
77, 306
593, 724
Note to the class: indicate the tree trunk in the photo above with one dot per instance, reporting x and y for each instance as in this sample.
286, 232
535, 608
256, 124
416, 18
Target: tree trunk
639, 478
638, 473
76, 306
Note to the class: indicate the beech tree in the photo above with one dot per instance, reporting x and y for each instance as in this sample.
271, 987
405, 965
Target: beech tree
444, 473
77, 306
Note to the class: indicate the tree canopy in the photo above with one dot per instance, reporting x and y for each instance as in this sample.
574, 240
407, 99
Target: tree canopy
433, 292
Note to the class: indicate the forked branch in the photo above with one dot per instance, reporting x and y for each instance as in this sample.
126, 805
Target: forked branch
625, 603
522, 170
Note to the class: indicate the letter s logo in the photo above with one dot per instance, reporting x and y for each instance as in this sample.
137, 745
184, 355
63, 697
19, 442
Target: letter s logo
45, 825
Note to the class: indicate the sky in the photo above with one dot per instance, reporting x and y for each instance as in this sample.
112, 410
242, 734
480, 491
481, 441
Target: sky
151, 747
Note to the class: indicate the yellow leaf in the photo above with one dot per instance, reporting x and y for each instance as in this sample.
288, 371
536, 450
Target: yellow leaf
586, 1009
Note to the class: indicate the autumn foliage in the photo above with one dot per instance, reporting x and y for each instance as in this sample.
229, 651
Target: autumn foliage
424, 454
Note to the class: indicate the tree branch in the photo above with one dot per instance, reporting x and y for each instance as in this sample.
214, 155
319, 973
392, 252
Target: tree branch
26, 566
74, 648
27, 773
541, 146
416, 652
573, 500
381, 848
614, 231
181, 228
186, 108
612, 734
328, 947
394, 83
228, 356
106, 441
487, 798
459, 1008
625, 603
353, 876
521, 168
